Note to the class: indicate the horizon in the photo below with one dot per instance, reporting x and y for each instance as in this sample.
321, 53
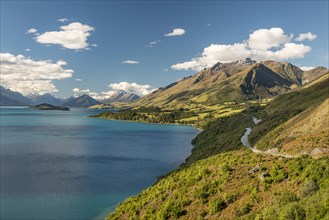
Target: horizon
94, 48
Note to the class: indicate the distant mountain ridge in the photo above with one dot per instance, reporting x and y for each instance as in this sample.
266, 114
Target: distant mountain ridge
83, 101
11, 98
45, 98
121, 96
237, 81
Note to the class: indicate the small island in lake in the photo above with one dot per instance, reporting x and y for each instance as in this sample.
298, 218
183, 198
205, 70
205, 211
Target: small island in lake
46, 106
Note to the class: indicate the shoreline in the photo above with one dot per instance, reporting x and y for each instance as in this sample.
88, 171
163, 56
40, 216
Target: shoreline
109, 210
144, 122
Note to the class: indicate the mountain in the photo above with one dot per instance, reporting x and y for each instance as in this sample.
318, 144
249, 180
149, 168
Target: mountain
11, 98
222, 179
45, 98
83, 101
121, 96
233, 82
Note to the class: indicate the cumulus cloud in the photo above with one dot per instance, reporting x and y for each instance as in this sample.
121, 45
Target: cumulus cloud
31, 31
63, 20
138, 89
130, 62
306, 36
152, 43
78, 92
94, 45
262, 44
306, 68
28, 49
25, 75
78, 80
264, 39
176, 32
72, 36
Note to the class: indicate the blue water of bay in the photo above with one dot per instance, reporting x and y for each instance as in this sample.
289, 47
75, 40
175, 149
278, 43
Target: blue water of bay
64, 165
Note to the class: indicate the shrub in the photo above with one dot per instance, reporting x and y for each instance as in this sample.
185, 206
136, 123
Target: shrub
278, 174
309, 187
293, 211
245, 209
286, 197
217, 206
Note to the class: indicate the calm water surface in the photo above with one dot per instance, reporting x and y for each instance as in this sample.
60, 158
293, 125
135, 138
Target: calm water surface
63, 165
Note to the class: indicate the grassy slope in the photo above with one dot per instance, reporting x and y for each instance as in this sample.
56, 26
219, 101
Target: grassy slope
215, 184
220, 187
284, 108
303, 133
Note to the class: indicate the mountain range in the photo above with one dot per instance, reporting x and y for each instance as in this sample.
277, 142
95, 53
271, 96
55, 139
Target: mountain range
45, 98
233, 82
83, 101
11, 98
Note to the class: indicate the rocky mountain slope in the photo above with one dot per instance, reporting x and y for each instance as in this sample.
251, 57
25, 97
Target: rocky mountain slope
11, 98
233, 82
83, 101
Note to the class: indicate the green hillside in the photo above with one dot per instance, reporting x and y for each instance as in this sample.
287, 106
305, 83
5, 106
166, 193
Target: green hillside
218, 180
222, 187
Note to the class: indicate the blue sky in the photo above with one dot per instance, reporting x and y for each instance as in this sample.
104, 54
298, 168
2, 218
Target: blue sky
122, 31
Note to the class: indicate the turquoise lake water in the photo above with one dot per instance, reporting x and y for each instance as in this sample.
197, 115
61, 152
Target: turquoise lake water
64, 165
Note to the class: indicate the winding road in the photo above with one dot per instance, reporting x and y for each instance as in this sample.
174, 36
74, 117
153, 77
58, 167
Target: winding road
245, 142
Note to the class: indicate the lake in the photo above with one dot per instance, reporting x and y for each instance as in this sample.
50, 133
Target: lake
64, 165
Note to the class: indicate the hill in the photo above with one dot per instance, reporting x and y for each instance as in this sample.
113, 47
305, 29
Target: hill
224, 180
237, 81
236, 185
224, 134
45, 98
83, 101
11, 98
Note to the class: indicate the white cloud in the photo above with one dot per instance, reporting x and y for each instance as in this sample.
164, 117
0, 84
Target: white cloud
77, 90
78, 80
140, 90
306, 36
31, 31
28, 49
63, 20
72, 36
165, 70
264, 39
26, 75
176, 32
262, 44
307, 68
153, 43
130, 62
94, 45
